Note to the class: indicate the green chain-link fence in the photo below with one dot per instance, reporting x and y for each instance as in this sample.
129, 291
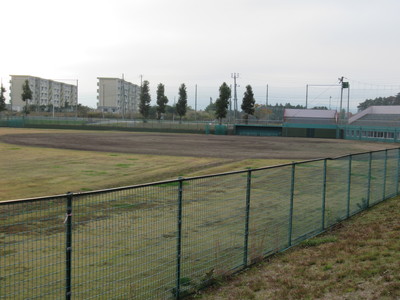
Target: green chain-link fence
167, 239
116, 124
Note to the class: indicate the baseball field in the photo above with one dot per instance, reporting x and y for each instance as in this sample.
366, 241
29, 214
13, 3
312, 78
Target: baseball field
48, 162
125, 241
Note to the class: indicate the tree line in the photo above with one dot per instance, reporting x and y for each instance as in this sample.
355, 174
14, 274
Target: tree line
391, 100
220, 107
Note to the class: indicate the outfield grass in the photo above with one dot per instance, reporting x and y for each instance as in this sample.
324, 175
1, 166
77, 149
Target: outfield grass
31, 171
125, 242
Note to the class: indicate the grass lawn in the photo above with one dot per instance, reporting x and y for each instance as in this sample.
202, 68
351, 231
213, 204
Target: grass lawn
125, 241
357, 259
27, 172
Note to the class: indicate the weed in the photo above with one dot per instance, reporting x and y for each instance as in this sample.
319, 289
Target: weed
175, 183
363, 204
123, 165
328, 267
318, 241
257, 246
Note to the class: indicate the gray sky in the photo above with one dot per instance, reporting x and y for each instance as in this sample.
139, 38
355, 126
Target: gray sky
284, 43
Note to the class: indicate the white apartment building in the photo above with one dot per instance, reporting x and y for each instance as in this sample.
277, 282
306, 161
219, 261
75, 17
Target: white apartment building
117, 95
45, 92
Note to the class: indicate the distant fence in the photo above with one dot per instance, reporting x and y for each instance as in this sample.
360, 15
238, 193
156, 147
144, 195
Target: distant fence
116, 124
167, 239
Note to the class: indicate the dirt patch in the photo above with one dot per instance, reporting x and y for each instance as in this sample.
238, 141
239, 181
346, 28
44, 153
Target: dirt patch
233, 147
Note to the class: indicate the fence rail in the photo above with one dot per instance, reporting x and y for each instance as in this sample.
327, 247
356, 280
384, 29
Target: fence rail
111, 124
166, 239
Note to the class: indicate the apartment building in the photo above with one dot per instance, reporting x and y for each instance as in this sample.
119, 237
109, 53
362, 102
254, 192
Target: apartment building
45, 92
117, 95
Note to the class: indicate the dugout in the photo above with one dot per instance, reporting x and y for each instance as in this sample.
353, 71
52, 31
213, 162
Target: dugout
258, 130
310, 131
310, 123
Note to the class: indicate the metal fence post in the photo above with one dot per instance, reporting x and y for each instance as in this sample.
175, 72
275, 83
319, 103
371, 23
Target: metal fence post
324, 195
398, 171
246, 231
68, 249
349, 187
369, 179
291, 205
384, 176
179, 240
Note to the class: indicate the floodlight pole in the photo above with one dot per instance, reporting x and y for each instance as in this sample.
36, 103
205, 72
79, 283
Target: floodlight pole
341, 100
348, 103
234, 76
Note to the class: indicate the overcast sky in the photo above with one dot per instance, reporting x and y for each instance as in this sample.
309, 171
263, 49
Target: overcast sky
286, 44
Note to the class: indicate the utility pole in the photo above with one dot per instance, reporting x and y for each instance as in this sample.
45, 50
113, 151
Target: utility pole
230, 104
306, 96
140, 91
235, 106
173, 112
76, 110
266, 103
195, 103
104, 100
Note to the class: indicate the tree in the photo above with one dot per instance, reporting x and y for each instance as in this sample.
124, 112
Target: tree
2, 98
392, 100
248, 102
221, 104
181, 105
26, 95
83, 110
211, 108
162, 100
145, 99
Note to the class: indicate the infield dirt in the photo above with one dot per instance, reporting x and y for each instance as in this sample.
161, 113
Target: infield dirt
194, 145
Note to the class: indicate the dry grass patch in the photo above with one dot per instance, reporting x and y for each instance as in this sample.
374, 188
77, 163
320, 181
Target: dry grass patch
32, 171
359, 259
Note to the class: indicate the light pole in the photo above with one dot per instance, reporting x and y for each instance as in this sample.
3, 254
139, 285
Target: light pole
234, 76
344, 85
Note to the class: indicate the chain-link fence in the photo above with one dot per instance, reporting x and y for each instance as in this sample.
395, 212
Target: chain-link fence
117, 124
167, 239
